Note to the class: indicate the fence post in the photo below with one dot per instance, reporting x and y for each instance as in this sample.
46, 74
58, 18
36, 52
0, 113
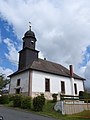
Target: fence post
87, 105
63, 109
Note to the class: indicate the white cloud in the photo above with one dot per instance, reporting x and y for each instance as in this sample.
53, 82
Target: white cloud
12, 54
62, 27
41, 55
87, 74
5, 71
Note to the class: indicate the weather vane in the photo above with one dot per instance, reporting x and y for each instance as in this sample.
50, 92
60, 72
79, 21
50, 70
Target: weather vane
29, 25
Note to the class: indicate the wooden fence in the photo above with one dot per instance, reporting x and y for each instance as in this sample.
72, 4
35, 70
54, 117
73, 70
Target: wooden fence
72, 108
72, 104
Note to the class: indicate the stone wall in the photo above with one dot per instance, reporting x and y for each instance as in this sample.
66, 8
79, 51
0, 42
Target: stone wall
47, 95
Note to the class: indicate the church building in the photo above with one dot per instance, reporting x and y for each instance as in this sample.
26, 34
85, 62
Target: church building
35, 76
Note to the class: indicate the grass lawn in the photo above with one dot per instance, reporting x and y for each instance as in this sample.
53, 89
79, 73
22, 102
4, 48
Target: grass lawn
49, 111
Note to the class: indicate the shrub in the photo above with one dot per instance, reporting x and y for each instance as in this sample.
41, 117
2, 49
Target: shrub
10, 104
85, 96
11, 97
54, 97
26, 102
17, 101
4, 99
43, 99
81, 95
38, 103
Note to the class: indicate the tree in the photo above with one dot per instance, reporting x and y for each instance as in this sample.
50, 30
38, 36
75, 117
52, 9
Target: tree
3, 82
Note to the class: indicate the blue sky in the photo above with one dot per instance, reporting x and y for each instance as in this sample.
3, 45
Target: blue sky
62, 29
6, 32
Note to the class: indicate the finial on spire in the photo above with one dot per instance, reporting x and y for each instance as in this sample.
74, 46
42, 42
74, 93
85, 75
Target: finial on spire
29, 25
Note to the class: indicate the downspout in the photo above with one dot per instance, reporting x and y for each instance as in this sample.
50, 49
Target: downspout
72, 79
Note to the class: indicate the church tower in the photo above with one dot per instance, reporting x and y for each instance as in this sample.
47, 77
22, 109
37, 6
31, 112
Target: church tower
28, 54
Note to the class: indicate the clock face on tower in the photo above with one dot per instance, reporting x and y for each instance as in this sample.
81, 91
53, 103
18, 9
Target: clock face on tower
32, 42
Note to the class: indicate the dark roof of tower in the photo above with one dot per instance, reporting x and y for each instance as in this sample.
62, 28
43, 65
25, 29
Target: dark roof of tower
49, 67
29, 33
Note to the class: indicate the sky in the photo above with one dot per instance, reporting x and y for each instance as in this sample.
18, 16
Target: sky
62, 29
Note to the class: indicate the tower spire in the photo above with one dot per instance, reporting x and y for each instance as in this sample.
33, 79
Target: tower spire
30, 26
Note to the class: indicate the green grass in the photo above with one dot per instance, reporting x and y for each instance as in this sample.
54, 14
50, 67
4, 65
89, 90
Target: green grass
84, 114
49, 111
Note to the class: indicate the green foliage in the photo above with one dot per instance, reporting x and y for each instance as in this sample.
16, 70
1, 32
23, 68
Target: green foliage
43, 99
26, 102
38, 103
17, 100
54, 97
81, 95
11, 97
10, 104
3, 81
4, 99
84, 95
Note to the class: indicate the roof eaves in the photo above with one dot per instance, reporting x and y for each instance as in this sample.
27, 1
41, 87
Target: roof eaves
57, 74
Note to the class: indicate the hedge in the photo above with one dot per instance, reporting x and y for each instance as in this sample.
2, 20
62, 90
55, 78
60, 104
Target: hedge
17, 100
26, 102
54, 97
4, 99
38, 103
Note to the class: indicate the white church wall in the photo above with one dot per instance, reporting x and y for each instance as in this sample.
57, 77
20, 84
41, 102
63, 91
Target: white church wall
80, 86
24, 80
38, 82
